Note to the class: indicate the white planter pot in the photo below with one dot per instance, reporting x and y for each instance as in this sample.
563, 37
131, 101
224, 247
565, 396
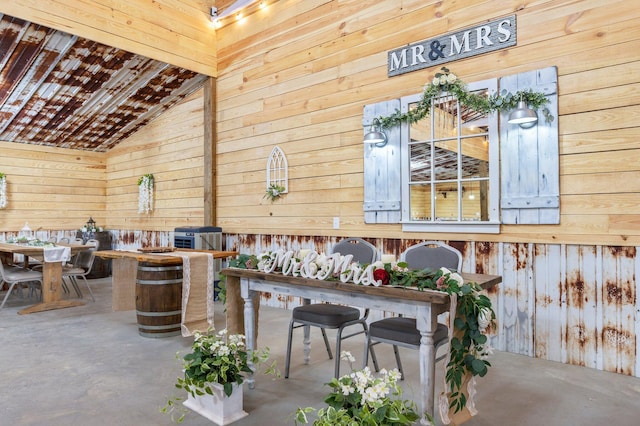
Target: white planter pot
219, 408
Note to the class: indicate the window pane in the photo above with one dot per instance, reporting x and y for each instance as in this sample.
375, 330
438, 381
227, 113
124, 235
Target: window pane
446, 160
475, 202
420, 202
475, 152
420, 159
445, 113
446, 200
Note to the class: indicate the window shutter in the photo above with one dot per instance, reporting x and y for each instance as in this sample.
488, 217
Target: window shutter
529, 160
382, 187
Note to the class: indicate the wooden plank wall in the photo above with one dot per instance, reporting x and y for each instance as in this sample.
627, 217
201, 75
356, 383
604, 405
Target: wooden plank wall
171, 148
178, 32
52, 188
299, 78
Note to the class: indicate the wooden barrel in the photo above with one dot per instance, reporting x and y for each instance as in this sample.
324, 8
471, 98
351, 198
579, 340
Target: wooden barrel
159, 299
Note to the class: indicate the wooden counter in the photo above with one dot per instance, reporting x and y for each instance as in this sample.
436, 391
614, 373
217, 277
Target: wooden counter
159, 258
125, 268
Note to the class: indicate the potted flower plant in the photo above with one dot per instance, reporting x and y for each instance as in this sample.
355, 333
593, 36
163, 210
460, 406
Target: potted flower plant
214, 371
360, 398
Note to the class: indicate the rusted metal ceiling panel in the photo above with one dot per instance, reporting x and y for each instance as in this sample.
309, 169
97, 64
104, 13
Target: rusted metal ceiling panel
60, 90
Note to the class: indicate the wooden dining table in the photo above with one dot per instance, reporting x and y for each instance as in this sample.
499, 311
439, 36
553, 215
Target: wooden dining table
245, 285
51, 275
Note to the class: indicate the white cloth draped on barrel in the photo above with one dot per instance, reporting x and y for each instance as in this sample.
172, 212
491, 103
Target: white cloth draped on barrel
197, 291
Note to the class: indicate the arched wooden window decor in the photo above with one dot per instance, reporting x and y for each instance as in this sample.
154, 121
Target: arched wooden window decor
277, 174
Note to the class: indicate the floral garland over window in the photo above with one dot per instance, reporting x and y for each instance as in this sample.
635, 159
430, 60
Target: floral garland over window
145, 193
448, 82
3, 190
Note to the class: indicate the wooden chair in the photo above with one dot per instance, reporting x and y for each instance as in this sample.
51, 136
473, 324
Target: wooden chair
331, 316
401, 331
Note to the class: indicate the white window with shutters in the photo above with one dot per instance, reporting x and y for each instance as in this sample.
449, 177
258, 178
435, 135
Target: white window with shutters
460, 171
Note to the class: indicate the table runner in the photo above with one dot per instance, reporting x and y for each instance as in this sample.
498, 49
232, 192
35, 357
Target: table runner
197, 291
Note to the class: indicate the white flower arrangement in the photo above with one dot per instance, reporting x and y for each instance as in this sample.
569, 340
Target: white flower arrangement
145, 193
3, 190
93, 228
360, 398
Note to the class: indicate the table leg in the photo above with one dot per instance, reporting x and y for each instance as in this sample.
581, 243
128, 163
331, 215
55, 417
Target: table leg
426, 322
51, 291
249, 325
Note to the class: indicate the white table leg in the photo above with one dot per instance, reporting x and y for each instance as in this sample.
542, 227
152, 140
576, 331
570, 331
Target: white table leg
247, 295
426, 322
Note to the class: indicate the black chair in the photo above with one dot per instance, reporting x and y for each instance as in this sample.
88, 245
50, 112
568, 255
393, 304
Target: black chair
327, 315
401, 331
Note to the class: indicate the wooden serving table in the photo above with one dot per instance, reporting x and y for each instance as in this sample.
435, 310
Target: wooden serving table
51, 276
243, 287
124, 271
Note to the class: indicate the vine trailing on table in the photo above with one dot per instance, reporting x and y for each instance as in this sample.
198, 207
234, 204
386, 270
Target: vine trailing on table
469, 348
446, 82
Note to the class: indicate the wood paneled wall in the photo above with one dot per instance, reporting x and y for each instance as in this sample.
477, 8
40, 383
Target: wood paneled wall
178, 32
299, 78
171, 148
52, 188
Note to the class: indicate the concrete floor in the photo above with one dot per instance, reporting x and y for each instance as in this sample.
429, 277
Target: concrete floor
88, 366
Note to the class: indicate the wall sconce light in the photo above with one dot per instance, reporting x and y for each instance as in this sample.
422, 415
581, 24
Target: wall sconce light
376, 135
523, 116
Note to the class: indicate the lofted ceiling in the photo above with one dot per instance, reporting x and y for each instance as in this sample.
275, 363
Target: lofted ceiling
57, 89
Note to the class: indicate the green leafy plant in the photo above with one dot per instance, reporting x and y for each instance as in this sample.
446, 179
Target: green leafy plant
216, 357
359, 398
274, 191
447, 82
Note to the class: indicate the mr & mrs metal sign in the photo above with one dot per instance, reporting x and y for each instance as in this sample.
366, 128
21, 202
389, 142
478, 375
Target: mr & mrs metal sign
494, 35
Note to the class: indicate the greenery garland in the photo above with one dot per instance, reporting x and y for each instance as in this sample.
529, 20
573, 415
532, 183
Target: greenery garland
447, 82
